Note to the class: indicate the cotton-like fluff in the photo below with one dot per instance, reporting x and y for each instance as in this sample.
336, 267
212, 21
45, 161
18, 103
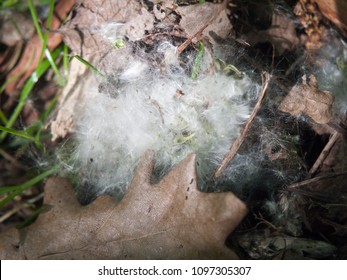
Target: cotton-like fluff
331, 72
162, 110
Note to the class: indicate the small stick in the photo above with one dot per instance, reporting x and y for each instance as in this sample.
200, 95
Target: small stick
315, 179
236, 145
323, 155
185, 44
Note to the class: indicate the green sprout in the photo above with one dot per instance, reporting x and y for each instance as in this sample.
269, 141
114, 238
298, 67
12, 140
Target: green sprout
198, 60
230, 69
118, 43
89, 65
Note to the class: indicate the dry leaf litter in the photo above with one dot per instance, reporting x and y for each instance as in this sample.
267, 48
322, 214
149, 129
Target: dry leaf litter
157, 94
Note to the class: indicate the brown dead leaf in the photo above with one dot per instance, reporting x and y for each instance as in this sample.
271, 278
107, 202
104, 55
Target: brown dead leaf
31, 54
335, 11
169, 220
136, 27
9, 57
15, 28
196, 16
85, 32
307, 99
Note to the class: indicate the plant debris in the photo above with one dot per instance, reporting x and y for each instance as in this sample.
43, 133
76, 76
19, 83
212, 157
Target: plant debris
279, 193
309, 100
169, 220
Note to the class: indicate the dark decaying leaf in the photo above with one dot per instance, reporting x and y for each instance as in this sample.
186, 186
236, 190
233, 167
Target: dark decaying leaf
169, 220
262, 244
312, 223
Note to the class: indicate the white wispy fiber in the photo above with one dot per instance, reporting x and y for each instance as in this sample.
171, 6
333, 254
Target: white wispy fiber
331, 72
162, 109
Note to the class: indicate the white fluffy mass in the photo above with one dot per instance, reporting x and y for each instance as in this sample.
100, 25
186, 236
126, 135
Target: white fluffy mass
332, 72
164, 110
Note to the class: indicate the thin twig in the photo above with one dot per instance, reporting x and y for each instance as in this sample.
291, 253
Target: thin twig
316, 179
323, 155
185, 44
236, 145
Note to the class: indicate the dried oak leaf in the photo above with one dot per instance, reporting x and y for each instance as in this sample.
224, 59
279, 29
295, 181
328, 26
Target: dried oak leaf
168, 220
307, 99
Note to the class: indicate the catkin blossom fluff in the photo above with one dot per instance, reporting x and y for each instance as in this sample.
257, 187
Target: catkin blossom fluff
164, 110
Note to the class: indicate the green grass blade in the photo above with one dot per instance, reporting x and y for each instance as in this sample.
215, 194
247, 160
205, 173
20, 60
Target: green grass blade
49, 109
5, 190
30, 219
90, 66
44, 38
31, 130
18, 133
66, 61
35, 20
49, 57
50, 15
7, 82
40, 70
37, 127
19, 189
44, 116
3, 118
6, 4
